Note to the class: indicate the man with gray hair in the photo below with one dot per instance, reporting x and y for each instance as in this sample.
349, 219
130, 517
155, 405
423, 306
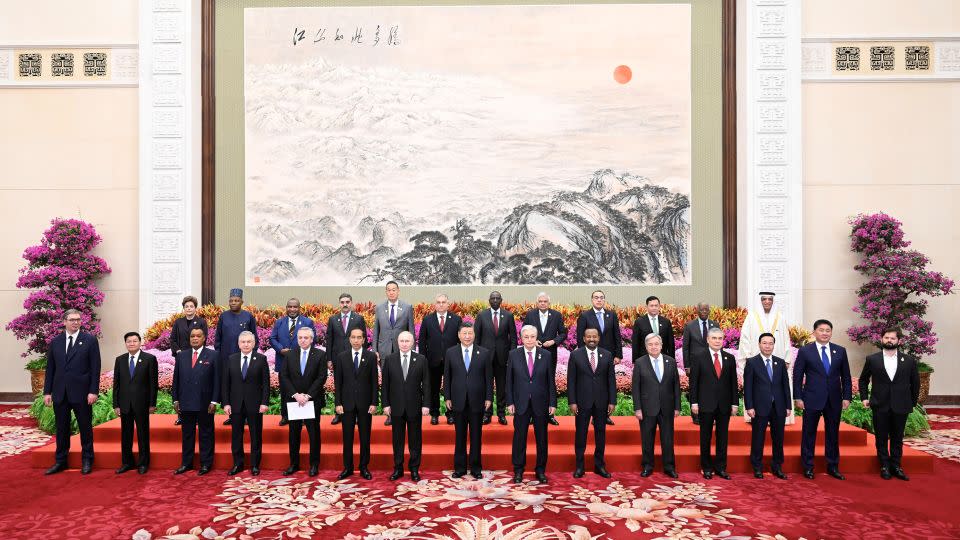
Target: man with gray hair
404, 394
656, 403
438, 332
713, 395
301, 381
391, 317
246, 394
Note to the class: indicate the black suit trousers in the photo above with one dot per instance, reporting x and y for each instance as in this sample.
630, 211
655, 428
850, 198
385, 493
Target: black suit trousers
758, 432
364, 421
192, 422
500, 383
142, 422
599, 417
463, 420
888, 427
313, 432
648, 431
237, 420
719, 420
831, 429
409, 426
61, 415
521, 427
436, 374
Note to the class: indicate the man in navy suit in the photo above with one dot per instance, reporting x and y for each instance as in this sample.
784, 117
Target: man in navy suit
592, 389
822, 387
339, 327
72, 383
496, 330
550, 333
196, 394
606, 322
283, 339
531, 392
766, 399
468, 389
231, 324
439, 331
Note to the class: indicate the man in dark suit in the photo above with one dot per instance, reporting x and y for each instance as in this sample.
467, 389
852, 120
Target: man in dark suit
301, 381
652, 323
196, 394
656, 403
531, 393
339, 327
695, 335
246, 394
180, 333
231, 323
135, 384
714, 396
468, 390
606, 322
438, 332
72, 383
766, 398
895, 391
283, 339
391, 317
406, 387
549, 324
357, 394
822, 387
496, 331
592, 391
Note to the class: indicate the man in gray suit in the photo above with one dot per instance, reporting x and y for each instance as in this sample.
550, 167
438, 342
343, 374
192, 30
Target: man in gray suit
392, 316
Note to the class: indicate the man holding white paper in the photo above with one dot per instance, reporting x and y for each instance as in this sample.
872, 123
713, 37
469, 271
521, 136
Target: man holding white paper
301, 389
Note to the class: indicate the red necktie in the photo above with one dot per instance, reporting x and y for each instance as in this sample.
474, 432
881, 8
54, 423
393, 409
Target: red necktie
496, 322
716, 363
194, 360
593, 361
441, 323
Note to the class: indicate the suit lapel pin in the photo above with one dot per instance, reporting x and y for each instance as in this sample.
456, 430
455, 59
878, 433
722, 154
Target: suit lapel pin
79, 343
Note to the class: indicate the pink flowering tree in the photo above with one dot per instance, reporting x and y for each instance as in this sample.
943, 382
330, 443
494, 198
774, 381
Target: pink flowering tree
896, 279
60, 271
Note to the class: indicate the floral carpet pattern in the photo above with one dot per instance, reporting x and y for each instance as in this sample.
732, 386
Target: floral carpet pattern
943, 439
18, 439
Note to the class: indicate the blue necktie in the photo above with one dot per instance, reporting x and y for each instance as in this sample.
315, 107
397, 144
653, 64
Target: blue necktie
303, 361
656, 369
824, 358
243, 368
769, 370
356, 362
600, 320
132, 366
466, 358
392, 318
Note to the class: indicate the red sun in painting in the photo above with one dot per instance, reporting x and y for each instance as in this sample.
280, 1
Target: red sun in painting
622, 74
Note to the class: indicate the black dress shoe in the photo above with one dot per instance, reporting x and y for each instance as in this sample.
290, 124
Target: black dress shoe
314, 470
255, 471
57, 467
646, 472
779, 474
125, 468
609, 421
283, 422
142, 469
602, 471
344, 473
578, 473
723, 474
898, 472
486, 419
502, 419
708, 474
757, 473
365, 474
458, 474
336, 420
290, 470
449, 420
178, 421
183, 468
553, 420
204, 469
228, 422
885, 473
834, 472
397, 474
518, 477
388, 421
671, 473
235, 469
86, 467
542, 478
415, 476
434, 420
477, 475
808, 473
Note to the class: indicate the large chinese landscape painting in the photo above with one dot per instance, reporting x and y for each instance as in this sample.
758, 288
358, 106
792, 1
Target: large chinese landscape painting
468, 145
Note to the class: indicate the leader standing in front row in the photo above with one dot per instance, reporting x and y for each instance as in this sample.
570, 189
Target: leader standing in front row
592, 390
714, 396
246, 394
406, 388
196, 394
302, 379
895, 391
72, 383
357, 393
766, 399
656, 402
468, 390
531, 392
135, 382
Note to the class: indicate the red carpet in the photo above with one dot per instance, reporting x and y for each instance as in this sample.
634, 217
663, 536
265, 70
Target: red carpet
108, 506
858, 453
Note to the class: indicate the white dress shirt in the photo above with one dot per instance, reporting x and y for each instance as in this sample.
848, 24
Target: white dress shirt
890, 363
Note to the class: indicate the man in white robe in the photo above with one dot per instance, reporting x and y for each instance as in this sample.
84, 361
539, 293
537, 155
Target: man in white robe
765, 317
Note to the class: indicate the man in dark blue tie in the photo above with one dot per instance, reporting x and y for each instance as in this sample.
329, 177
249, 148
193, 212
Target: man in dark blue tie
357, 393
766, 397
283, 339
822, 387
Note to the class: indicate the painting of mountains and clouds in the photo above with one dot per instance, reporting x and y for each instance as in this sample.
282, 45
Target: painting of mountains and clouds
468, 145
